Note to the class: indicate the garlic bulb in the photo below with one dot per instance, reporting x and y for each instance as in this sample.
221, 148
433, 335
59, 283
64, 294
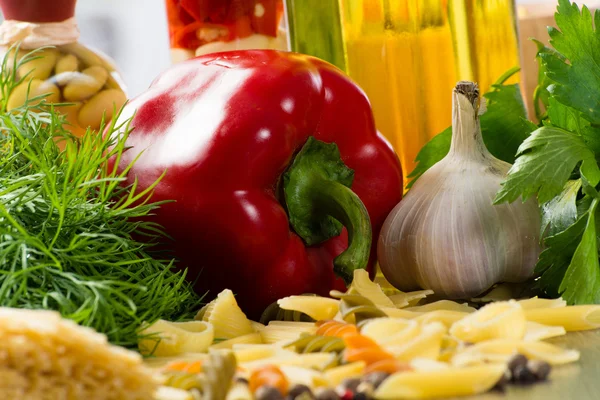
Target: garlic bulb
446, 235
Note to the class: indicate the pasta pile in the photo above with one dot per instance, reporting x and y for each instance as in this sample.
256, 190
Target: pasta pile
43, 356
390, 343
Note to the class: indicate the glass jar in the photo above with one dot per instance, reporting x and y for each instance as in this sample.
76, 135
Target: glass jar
199, 27
86, 81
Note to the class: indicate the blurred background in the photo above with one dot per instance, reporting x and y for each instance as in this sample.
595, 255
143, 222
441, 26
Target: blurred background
405, 54
135, 34
104, 24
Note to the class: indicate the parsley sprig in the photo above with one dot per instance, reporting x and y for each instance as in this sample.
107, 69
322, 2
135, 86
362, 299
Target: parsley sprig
70, 230
557, 160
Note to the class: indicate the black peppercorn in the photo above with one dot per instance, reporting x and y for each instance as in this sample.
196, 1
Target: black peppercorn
349, 384
364, 391
376, 378
522, 374
327, 394
300, 391
268, 393
540, 369
516, 361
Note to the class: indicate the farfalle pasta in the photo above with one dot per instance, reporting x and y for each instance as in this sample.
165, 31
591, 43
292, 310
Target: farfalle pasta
318, 308
443, 305
448, 382
445, 317
406, 339
536, 303
504, 319
574, 318
535, 331
501, 350
362, 285
369, 333
226, 317
164, 338
280, 331
250, 338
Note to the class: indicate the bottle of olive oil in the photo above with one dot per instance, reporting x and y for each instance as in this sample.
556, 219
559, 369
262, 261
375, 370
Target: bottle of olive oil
408, 54
314, 28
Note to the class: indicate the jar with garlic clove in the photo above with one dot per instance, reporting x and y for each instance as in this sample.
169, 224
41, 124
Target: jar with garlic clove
83, 82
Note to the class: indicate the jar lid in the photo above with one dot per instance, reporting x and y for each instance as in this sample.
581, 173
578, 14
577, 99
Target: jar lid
38, 10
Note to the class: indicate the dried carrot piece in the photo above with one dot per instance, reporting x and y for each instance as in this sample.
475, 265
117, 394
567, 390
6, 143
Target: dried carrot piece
362, 348
388, 365
268, 375
194, 367
359, 341
335, 328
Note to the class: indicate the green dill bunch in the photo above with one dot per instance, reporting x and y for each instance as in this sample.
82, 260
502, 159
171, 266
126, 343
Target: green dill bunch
68, 226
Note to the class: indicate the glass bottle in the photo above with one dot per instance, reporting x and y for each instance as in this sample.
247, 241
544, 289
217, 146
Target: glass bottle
315, 29
408, 54
64, 69
199, 27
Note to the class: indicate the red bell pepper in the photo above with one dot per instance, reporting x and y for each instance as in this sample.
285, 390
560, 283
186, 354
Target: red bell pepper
249, 141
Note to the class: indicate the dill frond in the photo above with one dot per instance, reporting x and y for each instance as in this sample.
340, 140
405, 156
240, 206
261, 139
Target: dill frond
69, 228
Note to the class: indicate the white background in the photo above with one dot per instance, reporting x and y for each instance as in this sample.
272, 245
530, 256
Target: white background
133, 32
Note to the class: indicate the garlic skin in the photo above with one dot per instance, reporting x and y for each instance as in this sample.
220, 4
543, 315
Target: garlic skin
446, 235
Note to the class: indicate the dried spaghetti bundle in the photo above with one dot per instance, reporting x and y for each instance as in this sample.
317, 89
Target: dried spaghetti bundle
43, 356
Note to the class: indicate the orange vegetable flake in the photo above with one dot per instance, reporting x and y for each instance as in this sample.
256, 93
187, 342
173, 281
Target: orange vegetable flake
391, 366
194, 367
268, 375
362, 348
335, 328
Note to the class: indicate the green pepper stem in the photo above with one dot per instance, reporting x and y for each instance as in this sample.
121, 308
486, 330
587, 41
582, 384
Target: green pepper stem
319, 201
343, 204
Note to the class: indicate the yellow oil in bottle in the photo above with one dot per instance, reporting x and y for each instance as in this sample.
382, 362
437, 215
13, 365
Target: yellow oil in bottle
408, 54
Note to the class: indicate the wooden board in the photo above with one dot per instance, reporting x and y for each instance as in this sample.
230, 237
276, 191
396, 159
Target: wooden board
577, 381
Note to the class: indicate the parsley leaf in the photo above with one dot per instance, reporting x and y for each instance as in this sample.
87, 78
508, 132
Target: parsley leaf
503, 126
546, 160
578, 81
565, 117
556, 257
559, 161
431, 153
541, 93
581, 283
568, 118
561, 211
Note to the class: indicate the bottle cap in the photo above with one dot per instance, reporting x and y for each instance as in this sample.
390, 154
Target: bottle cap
38, 10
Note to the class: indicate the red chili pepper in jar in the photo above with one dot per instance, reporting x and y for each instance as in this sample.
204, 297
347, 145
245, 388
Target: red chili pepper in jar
193, 23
